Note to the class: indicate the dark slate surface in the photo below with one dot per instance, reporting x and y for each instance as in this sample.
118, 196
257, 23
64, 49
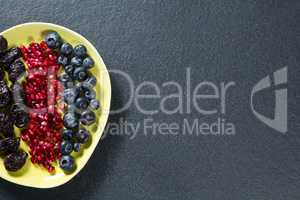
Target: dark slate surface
236, 40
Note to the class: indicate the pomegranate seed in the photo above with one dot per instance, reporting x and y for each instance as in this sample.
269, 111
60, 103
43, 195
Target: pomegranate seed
41, 91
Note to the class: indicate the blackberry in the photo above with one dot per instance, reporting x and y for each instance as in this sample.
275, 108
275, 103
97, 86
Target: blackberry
3, 44
6, 125
2, 74
9, 145
15, 70
22, 120
11, 55
5, 95
19, 117
15, 161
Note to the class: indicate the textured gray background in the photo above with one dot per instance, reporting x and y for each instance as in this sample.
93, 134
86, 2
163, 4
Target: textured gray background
238, 40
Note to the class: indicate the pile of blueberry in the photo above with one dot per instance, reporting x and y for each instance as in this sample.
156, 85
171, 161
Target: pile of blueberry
78, 94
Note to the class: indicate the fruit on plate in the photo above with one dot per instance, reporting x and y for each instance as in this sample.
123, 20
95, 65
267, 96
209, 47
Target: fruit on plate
15, 161
16, 70
79, 96
41, 92
67, 163
52, 106
3, 44
9, 145
10, 113
35, 175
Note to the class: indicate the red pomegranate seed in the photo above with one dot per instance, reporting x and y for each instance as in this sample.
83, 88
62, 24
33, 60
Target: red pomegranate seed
41, 92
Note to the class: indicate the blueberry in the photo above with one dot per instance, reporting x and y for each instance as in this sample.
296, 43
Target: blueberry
66, 147
82, 135
74, 109
76, 61
69, 84
87, 117
62, 60
90, 81
70, 94
69, 69
70, 120
83, 88
81, 103
80, 88
66, 49
89, 93
94, 104
88, 63
53, 40
64, 78
76, 147
67, 163
68, 134
80, 74
80, 50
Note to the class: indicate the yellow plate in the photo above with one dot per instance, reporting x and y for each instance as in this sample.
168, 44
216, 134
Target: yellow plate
33, 175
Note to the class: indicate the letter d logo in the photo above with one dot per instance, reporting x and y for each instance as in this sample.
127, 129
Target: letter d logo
279, 122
